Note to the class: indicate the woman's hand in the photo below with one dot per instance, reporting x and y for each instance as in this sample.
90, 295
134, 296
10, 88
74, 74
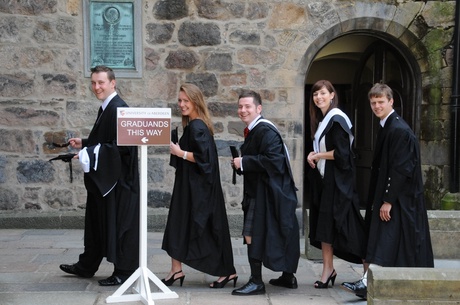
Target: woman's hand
175, 149
312, 159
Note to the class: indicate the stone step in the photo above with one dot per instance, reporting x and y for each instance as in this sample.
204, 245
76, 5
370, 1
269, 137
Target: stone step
388, 285
444, 231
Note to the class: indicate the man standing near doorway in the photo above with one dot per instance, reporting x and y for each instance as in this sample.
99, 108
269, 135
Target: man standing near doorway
270, 228
396, 216
112, 184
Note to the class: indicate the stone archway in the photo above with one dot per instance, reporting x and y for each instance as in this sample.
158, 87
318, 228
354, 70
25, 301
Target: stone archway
337, 59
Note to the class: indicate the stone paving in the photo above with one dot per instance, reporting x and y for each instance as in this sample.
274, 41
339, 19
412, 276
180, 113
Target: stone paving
30, 275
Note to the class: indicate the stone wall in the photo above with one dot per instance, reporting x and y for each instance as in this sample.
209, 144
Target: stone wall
222, 46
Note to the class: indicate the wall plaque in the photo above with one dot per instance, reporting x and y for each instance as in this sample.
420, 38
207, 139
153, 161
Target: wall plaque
113, 39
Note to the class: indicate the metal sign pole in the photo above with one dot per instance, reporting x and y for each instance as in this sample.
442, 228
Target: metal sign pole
139, 280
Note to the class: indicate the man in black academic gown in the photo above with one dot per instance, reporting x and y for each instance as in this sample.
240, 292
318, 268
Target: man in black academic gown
270, 227
112, 184
396, 216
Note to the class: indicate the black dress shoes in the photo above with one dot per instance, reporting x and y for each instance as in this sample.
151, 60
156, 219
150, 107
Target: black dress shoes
288, 282
362, 295
112, 280
358, 288
250, 288
73, 269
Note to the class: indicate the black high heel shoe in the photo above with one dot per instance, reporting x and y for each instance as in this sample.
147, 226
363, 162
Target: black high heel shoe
171, 280
320, 285
224, 282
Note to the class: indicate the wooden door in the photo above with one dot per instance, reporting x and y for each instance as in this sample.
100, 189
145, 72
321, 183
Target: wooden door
379, 63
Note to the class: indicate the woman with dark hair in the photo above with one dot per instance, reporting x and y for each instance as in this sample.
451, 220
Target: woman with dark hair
336, 225
197, 232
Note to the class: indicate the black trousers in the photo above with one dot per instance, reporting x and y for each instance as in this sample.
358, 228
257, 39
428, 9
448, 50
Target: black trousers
95, 230
100, 238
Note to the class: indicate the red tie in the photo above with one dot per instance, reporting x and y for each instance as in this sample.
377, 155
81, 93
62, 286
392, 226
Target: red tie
246, 132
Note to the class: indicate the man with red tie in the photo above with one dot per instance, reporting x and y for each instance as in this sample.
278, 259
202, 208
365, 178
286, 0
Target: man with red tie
270, 228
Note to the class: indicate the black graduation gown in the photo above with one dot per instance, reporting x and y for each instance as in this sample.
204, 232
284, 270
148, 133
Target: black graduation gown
112, 222
334, 210
396, 178
268, 180
197, 231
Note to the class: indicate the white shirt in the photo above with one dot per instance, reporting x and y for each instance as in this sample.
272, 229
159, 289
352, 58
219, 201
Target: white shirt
107, 100
251, 125
382, 122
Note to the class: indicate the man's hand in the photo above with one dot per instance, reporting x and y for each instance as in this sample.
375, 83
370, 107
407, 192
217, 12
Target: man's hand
236, 163
385, 211
75, 143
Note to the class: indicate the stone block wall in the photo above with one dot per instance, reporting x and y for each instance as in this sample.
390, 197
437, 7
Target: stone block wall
402, 286
445, 234
221, 45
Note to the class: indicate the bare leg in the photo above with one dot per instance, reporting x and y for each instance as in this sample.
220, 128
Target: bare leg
230, 277
223, 278
176, 266
328, 261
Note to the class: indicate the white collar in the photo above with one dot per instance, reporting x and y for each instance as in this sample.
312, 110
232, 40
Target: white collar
382, 122
107, 100
251, 125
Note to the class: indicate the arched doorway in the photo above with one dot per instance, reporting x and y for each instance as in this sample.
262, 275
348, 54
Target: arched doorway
380, 62
353, 63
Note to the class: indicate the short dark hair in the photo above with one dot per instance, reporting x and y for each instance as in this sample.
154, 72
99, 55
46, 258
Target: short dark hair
98, 69
250, 93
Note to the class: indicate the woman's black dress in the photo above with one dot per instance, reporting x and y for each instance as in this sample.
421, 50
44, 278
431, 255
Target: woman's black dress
334, 210
197, 231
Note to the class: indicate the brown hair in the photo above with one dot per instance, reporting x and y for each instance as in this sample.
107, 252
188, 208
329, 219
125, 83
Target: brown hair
315, 113
196, 97
110, 73
379, 90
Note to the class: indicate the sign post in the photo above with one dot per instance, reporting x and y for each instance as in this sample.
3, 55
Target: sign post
143, 127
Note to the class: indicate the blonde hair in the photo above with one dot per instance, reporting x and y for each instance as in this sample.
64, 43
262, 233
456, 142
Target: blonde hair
196, 97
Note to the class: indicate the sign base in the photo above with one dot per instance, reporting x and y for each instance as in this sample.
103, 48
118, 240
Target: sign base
139, 282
